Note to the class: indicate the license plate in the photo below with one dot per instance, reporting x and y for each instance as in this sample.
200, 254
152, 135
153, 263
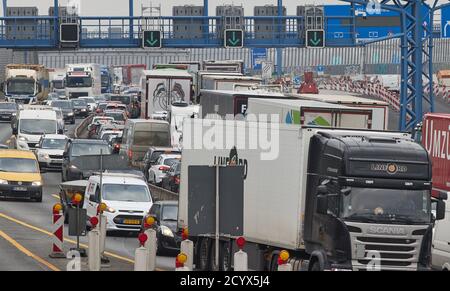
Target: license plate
131, 221
20, 189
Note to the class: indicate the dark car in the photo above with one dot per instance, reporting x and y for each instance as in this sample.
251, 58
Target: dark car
152, 155
171, 181
166, 217
123, 99
80, 107
8, 110
81, 148
67, 109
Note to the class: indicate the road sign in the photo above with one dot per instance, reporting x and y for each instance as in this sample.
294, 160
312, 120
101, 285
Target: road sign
315, 38
234, 38
267, 70
69, 33
320, 70
152, 39
258, 56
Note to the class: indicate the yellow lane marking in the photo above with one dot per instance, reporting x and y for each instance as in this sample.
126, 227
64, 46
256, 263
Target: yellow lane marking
65, 239
27, 252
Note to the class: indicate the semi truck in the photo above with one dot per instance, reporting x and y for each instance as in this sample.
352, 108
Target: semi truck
380, 109
83, 80
228, 82
228, 66
314, 113
131, 74
335, 199
107, 79
436, 139
26, 84
201, 75
57, 81
163, 88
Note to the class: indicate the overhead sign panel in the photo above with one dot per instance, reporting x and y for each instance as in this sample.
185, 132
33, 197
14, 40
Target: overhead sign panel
234, 38
315, 38
152, 39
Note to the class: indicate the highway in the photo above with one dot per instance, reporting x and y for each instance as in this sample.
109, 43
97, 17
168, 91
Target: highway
25, 228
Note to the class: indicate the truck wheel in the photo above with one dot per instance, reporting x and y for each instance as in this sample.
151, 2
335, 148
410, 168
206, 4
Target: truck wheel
203, 255
274, 263
315, 266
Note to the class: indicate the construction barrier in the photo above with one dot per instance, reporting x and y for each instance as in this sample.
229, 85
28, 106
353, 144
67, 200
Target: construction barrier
283, 262
187, 247
141, 255
180, 261
94, 261
57, 251
150, 244
240, 257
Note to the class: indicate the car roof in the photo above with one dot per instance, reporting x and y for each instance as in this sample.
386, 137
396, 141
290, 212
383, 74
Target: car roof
156, 149
17, 154
120, 178
169, 156
113, 111
55, 136
89, 141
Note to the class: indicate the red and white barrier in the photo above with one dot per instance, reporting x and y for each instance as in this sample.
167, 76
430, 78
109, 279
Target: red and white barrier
57, 251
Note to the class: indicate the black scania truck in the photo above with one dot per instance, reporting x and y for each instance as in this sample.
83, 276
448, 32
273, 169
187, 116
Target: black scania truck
335, 199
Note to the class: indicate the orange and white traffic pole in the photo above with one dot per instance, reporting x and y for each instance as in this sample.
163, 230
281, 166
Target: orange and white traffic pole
283, 261
151, 243
240, 257
94, 246
180, 261
187, 247
140, 255
58, 233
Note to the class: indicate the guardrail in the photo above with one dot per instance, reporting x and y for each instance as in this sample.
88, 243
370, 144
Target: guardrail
160, 194
81, 130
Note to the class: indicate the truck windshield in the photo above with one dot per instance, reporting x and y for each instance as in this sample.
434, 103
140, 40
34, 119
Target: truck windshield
387, 206
105, 80
37, 126
21, 86
78, 82
58, 84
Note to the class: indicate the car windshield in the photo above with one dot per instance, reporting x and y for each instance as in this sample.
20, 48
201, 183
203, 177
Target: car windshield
387, 206
11, 106
17, 165
126, 193
37, 126
89, 100
79, 102
62, 104
170, 213
118, 116
152, 138
21, 86
54, 144
170, 162
105, 80
90, 149
58, 84
100, 98
107, 136
78, 82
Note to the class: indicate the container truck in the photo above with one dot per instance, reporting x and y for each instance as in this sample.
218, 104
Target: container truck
228, 82
313, 113
436, 139
380, 109
26, 84
162, 89
204, 74
335, 199
83, 80
131, 74
226, 103
230, 66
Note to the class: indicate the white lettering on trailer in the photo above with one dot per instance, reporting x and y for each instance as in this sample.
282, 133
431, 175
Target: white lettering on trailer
437, 142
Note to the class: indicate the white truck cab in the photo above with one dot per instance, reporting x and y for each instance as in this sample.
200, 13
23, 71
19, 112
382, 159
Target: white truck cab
127, 196
32, 123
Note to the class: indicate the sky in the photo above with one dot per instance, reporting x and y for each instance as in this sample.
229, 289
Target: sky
120, 7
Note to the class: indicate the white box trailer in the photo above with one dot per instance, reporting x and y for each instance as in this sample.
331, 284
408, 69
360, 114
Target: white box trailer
311, 113
228, 82
204, 74
281, 191
380, 108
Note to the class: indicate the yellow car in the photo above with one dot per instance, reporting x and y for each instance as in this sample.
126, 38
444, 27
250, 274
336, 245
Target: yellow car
20, 176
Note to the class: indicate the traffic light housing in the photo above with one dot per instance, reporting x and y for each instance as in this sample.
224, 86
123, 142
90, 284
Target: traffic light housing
152, 39
315, 38
234, 38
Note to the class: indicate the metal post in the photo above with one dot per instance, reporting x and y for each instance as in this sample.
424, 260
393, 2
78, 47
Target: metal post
430, 61
404, 76
5, 6
131, 8
418, 59
216, 266
280, 50
206, 22
56, 20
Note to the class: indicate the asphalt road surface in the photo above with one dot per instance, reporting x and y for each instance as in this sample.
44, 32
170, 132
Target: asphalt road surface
25, 229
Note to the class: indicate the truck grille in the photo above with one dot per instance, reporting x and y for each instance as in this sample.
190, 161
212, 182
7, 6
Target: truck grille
55, 157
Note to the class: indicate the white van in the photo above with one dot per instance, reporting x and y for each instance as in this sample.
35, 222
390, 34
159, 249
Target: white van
441, 243
32, 123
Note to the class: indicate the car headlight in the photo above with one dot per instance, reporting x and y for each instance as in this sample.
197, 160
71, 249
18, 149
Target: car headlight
22, 138
3, 182
110, 210
73, 167
36, 184
44, 156
166, 231
14, 114
70, 114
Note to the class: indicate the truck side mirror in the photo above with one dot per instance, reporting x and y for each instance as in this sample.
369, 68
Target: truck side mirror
15, 130
92, 198
440, 210
322, 204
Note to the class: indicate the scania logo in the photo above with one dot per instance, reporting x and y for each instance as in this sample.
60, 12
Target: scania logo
385, 230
